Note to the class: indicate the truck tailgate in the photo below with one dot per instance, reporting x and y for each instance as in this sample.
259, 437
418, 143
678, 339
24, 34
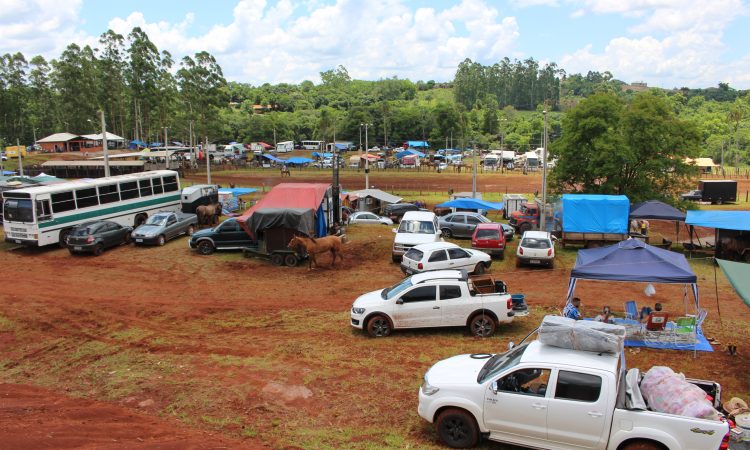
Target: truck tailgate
676, 432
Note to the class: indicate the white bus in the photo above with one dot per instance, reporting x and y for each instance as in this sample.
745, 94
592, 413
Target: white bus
312, 145
44, 215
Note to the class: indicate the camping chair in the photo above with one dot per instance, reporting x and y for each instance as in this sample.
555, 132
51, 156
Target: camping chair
657, 321
686, 328
631, 310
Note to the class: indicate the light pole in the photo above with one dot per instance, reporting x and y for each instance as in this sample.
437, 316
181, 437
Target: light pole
20, 164
166, 150
542, 216
474, 174
105, 152
367, 156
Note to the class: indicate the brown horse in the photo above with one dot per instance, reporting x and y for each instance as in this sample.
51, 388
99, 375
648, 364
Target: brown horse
285, 171
320, 245
208, 214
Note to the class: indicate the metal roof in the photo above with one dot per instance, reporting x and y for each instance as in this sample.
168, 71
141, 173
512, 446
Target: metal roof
378, 194
98, 137
59, 137
91, 163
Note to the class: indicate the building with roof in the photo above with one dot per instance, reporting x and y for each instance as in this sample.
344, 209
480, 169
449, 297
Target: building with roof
69, 142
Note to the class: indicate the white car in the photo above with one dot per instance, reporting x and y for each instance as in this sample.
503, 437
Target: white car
416, 227
536, 248
446, 298
442, 256
369, 218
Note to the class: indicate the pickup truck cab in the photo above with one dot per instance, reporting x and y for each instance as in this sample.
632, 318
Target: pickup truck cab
546, 397
227, 235
446, 298
163, 226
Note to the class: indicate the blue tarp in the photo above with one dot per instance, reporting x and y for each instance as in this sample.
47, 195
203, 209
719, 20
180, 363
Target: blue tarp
588, 213
472, 203
633, 260
298, 160
238, 191
272, 158
725, 220
656, 210
418, 144
155, 144
701, 345
136, 143
409, 152
322, 155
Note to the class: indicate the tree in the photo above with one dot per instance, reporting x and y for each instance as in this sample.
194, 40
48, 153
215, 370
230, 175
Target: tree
203, 90
636, 149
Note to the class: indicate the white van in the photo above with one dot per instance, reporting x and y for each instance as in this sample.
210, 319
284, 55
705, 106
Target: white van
416, 227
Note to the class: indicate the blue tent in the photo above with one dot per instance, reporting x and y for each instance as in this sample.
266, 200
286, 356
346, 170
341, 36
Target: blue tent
725, 220
136, 143
298, 160
417, 144
322, 155
409, 152
656, 210
155, 144
272, 158
472, 203
590, 213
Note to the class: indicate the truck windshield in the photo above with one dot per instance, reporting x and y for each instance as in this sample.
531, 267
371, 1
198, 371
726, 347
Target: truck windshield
500, 362
18, 211
417, 227
156, 220
527, 210
390, 292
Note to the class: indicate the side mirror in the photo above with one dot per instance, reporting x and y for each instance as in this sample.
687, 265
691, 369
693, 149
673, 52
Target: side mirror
493, 387
511, 345
399, 302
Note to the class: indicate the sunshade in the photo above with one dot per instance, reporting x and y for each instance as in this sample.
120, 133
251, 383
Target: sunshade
738, 275
725, 220
472, 203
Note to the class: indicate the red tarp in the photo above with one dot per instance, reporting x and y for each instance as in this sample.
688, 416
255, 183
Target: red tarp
289, 195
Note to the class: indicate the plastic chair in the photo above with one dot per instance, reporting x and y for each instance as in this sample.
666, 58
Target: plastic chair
631, 310
686, 328
657, 321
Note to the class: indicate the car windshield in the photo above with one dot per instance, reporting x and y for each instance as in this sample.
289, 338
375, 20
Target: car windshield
416, 226
156, 220
390, 292
488, 234
535, 243
526, 209
501, 362
18, 211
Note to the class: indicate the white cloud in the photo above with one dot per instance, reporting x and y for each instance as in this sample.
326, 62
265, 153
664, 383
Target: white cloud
40, 26
528, 3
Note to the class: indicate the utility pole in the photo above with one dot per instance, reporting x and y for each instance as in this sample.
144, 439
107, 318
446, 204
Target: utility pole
20, 164
208, 159
166, 148
367, 159
543, 212
274, 139
105, 151
474, 175
192, 147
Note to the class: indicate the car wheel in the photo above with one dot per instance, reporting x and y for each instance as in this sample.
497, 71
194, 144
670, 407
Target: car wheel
641, 445
72, 252
190, 230
447, 232
206, 247
98, 250
277, 259
502, 255
457, 428
127, 238
551, 264
379, 326
161, 240
479, 269
290, 260
482, 325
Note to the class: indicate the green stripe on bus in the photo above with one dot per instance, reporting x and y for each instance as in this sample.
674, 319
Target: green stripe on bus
106, 211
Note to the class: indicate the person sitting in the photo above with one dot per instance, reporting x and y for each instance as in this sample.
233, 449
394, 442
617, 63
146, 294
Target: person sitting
605, 316
657, 320
571, 309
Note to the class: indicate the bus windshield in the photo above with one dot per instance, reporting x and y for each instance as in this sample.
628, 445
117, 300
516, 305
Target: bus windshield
17, 210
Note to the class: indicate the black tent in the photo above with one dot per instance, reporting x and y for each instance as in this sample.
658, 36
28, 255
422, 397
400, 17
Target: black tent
656, 210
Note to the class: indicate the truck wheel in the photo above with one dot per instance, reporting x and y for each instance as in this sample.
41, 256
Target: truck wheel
277, 259
642, 445
190, 230
206, 247
161, 240
379, 326
482, 325
290, 260
524, 227
447, 233
457, 428
479, 269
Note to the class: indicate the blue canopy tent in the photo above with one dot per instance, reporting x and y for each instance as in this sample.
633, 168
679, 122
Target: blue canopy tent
725, 220
400, 155
322, 155
134, 144
417, 144
472, 203
635, 261
272, 158
298, 160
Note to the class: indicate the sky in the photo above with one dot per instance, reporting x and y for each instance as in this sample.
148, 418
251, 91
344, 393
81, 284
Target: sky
665, 43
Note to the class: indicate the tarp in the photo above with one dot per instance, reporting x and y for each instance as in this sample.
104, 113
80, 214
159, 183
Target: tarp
237, 191
589, 213
725, 220
272, 158
738, 275
472, 203
298, 160
375, 193
656, 210
300, 219
417, 144
322, 155
633, 260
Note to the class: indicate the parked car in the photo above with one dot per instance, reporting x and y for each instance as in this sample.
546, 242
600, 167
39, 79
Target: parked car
163, 226
443, 256
417, 227
461, 224
395, 211
489, 238
536, 248
227, 235
540, 396
369, 218
508, 231
435, 299
96, 236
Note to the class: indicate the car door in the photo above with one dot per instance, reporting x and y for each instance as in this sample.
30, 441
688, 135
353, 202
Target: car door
459, 259
458, 225
471, 224
516, 404
368, 218
455, 304
417, 307
577, 412
230, 235
109, 234
171, 227
438, 260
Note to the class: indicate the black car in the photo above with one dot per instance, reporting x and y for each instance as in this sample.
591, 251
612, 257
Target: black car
693, 195
94, 237
395, 211
228, 235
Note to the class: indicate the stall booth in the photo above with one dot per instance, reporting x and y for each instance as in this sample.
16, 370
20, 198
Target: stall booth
634, 261
656, 210
731, 235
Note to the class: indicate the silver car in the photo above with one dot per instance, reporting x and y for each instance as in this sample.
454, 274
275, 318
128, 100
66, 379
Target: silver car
367, 217
461, 224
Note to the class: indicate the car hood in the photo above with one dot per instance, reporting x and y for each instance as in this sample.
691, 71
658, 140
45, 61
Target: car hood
369, 299
461, 370
202, 233
147, 229
414, 238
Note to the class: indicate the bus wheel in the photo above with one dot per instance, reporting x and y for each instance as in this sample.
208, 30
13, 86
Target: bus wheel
140, 219
64, 238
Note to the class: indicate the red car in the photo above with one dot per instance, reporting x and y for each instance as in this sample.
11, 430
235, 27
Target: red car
489, 238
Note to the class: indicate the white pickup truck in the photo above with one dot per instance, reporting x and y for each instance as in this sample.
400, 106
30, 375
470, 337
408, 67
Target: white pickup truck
546, 397
443, 298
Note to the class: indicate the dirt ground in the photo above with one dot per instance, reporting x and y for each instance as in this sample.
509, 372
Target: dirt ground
160, 347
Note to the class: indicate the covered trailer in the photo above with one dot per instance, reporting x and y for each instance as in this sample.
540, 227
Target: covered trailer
273, 228
594, 220
200, 194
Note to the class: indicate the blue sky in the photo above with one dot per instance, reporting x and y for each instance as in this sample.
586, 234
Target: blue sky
667, 43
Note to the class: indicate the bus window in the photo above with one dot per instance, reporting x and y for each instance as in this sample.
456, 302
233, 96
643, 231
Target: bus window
86, 197
170, 184
43, 210
128, 190
108, 194
63, 201
145, 186
158, 189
